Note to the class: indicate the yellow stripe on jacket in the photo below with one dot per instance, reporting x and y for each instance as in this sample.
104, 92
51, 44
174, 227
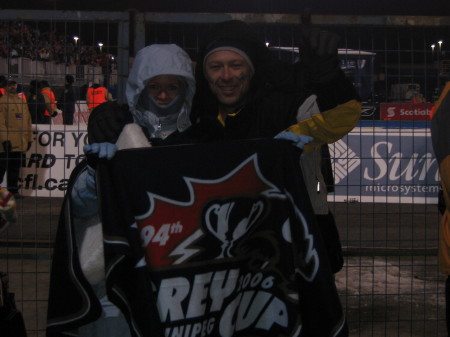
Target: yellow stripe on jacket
330, 125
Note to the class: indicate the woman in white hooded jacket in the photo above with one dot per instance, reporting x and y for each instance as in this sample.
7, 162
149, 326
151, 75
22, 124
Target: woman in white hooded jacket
159, 93
161, 110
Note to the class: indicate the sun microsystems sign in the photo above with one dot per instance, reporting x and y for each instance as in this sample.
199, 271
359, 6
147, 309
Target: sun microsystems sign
387, 163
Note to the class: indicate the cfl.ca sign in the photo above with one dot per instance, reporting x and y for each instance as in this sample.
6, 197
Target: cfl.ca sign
379, 165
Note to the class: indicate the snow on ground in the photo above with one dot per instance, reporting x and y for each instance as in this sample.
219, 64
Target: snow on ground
393, 296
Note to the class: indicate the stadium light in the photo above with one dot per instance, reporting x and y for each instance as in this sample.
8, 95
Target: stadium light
100, 44
76, 39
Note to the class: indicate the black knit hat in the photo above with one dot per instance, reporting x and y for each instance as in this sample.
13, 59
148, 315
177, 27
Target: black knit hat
234, 46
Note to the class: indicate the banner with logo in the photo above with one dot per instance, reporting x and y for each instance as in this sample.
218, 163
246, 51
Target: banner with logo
385, 162
223, 232
406, 111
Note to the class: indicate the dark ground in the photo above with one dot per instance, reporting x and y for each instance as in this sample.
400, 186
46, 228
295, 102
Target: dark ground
390, 285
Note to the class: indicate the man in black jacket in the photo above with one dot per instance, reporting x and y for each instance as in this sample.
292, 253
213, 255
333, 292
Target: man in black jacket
244, 92
67, 101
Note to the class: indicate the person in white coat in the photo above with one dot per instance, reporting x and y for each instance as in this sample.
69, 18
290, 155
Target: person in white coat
159, 93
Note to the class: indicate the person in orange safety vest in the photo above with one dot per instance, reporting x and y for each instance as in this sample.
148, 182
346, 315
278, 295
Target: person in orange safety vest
50, 101
96, 95
20, 92
2, 85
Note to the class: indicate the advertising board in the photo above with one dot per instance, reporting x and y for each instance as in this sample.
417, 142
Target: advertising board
56, 150
380, 161
406, 111
385, 162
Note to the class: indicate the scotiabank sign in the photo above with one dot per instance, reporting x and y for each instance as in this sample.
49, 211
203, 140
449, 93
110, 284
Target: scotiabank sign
406, 111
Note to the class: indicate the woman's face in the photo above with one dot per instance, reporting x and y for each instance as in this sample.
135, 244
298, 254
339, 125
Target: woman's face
164, 88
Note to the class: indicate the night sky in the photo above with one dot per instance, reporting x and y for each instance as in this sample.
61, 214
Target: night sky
330, 7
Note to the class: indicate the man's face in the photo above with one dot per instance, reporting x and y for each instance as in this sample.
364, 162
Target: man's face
11, 88
229, 75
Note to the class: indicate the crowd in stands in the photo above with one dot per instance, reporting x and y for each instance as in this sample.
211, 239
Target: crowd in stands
18, 39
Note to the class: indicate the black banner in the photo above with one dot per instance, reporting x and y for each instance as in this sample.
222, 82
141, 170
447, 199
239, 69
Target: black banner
216, 240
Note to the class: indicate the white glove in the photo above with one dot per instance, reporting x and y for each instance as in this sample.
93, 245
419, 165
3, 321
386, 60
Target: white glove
298, 140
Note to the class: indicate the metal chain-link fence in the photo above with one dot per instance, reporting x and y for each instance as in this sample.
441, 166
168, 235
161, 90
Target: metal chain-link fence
385, 198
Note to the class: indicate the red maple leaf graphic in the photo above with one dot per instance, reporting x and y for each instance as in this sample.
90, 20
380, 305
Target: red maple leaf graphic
172, 225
